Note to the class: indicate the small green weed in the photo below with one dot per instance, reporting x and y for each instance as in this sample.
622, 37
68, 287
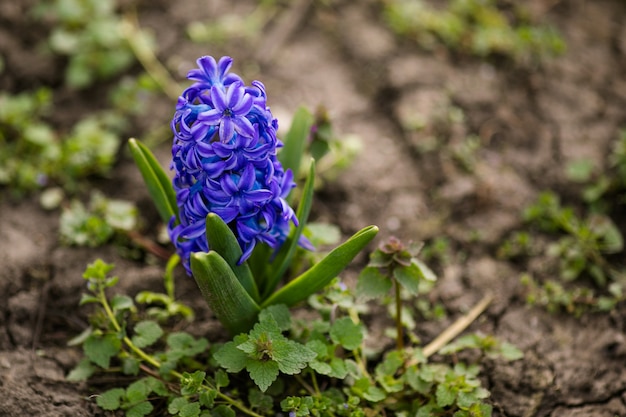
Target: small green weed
88, 33
301, 367
475, 27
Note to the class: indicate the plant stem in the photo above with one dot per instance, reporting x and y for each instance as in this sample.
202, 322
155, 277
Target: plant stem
399, 329
155, 363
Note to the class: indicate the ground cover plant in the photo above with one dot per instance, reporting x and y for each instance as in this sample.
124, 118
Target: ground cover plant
491, 131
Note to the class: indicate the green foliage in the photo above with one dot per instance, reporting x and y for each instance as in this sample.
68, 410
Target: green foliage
263, 353
89, 33
302, 367
95, 225
35, 155
475, 27
581, 240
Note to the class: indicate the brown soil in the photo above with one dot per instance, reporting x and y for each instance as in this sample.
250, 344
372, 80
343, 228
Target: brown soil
531, 122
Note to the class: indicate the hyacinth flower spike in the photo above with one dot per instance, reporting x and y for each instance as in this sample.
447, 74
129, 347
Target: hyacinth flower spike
227, 207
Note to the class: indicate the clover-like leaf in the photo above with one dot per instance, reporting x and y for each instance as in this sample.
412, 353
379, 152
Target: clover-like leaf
346, 333
372, 283
146, 333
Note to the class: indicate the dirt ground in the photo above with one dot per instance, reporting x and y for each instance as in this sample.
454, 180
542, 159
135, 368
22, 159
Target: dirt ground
531, 123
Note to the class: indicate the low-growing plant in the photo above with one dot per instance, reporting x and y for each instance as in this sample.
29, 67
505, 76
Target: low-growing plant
35, 155
88, 33
230, 220
476, 27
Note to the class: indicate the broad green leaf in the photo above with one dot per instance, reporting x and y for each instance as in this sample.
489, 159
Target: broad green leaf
222, 411
223, 292
291, 356
285, 254
346, 333
110, 400
445, 395
427, 273
409, 277
146, 333
121, 302
372, 283
140, 410
222, 240
323, 272
157, 181
82, 371
281, 315
263, 373
230, 357
290, 155
100, 349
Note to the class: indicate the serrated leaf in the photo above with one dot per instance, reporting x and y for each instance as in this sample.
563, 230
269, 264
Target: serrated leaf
230, 357
190, 383
263, 373
190, 410
281, 315
221, 379
82, 371
147, 332
138, 391
140, 410
158, 183
176, 405
130, 366
222, 411
323, 272
100, 349
445, 395
207, 398
111, 399
372, 283
346, 333
291, 356
409, 277
223, 292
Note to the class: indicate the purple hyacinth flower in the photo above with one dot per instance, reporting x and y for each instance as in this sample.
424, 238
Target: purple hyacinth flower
224, 161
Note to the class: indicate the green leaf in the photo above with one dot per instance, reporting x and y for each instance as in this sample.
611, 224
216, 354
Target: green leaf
285, 254
98, 270
190, 383
346, 333
445, 395
290, 155
190, 410
281, 315
146, 333
82, 371
222, 411
100, 349
223, 292
157, 181
323, 272
176, 405
426, 272
263, 373
409, 277
510, 352
140, 410
110, 400
138, 391
372, 283
122, 302
291, 356
222, 240
230, 357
